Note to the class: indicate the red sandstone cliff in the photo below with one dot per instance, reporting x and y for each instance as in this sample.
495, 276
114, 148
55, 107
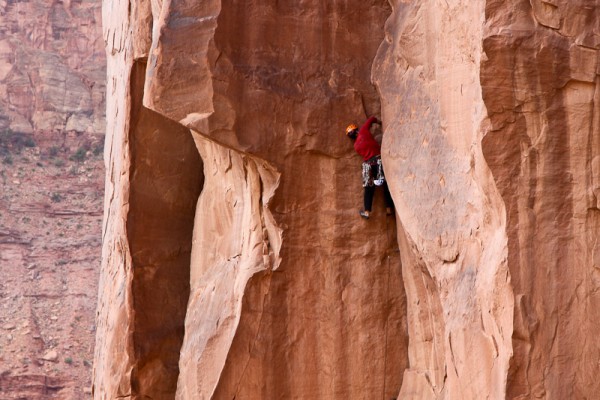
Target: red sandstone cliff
234, 262
52, 85
542, 147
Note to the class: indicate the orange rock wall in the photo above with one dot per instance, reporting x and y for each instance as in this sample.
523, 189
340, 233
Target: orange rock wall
452, 233
291, 294
541, 87
234, 262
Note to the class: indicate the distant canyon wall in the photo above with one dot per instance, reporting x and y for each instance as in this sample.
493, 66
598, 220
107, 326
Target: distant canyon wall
52, 66
52, 124
234, 262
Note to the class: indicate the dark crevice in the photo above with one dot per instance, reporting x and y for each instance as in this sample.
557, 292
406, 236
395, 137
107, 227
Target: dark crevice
165, 181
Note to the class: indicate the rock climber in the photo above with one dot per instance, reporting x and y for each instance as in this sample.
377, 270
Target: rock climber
372, 168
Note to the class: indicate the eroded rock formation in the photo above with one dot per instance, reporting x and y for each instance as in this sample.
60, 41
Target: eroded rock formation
290, 293
541, 88
234, 263
454, 241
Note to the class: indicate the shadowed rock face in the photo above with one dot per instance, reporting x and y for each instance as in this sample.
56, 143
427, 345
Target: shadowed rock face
150, 282
540, 85
249, 275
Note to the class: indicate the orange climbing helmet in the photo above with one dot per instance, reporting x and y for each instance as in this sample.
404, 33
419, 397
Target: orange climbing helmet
351, 128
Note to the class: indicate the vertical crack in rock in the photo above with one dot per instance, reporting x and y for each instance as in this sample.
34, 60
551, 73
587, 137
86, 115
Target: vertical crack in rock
292, 295
154, 177
541, 88
165, 182
234, 239
276, 82
452, 237
114, 350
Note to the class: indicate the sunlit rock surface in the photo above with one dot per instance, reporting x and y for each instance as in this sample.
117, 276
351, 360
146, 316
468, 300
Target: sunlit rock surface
452, 233
234, 261
289, 293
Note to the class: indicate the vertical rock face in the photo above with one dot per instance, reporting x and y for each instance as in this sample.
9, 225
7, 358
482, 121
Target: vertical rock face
291, 294
234, 262
540, 85
145, 282
452, 237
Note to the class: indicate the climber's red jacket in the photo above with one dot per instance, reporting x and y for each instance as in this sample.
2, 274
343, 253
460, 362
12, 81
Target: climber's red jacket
365, 144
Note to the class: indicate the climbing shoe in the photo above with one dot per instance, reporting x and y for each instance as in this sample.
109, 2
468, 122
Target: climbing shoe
364, 214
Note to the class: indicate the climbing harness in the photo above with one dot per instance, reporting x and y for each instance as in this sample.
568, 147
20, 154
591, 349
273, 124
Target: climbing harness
380, 179
372, 172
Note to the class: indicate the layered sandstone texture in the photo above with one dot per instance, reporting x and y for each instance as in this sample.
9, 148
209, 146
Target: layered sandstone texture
52, 72
52, 85
234, 262
50, 240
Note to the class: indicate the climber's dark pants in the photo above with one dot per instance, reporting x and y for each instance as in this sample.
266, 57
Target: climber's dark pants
370, 193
